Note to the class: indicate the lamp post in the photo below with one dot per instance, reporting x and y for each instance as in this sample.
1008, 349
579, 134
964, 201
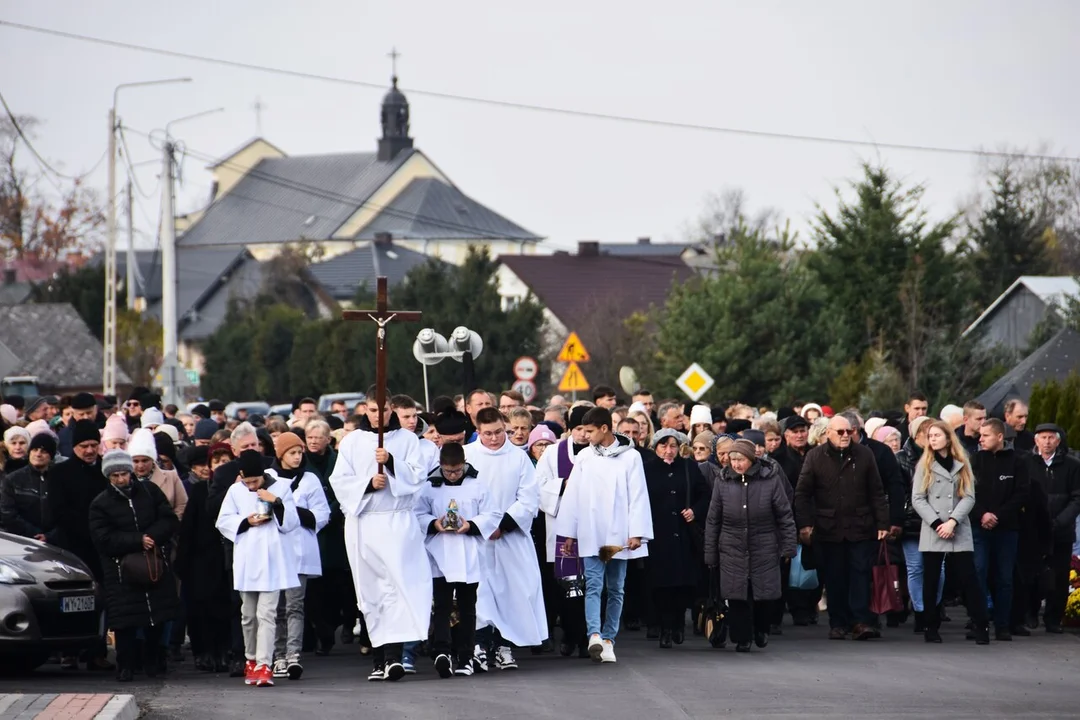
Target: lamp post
431, 348
109, 368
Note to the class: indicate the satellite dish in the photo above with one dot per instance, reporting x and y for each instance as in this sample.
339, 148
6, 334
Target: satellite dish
429, 342
465, 340
628, 380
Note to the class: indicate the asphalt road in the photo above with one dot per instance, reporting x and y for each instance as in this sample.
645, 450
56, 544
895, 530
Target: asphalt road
801, 674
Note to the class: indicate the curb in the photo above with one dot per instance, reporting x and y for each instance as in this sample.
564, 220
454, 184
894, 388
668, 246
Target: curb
120, 707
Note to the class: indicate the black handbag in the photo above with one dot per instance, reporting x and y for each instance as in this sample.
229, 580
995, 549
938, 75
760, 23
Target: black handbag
713, 619
142, 569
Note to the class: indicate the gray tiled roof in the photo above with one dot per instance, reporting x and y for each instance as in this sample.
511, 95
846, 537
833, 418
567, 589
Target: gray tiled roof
342, 275
429, 208
51, 341
292, 198
1054, 360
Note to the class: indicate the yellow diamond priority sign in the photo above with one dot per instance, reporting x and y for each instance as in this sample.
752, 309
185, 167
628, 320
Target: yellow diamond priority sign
695, 382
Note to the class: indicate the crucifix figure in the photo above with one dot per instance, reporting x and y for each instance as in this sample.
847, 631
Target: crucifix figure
381, 316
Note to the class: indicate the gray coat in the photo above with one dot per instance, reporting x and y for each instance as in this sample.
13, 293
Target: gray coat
749, 526
940, 502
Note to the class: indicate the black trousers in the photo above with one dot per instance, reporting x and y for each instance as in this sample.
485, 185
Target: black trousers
458, 644
1059, 563
776, 612
127, 647
389, 653
637, 599
671, 604
209, 630
966, 581
846, 568
330, 603
746, 617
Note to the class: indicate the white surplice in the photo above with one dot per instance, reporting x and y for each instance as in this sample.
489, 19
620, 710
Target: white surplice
607, 502
457, 557
310, 496
510, 595
550, 484
429, 457
386, 552
264, 558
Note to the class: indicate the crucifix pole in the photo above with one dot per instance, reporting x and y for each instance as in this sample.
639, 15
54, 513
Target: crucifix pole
381, 316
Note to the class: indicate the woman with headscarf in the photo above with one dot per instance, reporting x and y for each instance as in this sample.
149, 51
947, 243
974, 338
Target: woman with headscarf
750, 526
679, 497
702, 446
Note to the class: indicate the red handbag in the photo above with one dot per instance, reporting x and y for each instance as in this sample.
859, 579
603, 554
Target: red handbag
885, 589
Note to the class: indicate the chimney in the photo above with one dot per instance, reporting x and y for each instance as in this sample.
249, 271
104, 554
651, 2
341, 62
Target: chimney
9, 276
383, 239
644, 241
588, 248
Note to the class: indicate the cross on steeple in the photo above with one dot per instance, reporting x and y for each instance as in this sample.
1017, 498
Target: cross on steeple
258, 107
393, 55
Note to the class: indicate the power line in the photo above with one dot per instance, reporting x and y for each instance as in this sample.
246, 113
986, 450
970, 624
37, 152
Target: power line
127, 162
42, 161
673, 124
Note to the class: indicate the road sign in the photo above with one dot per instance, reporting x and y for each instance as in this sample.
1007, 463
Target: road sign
573, 351
525, 368
527, 388
694, 381
192, 376
573, 380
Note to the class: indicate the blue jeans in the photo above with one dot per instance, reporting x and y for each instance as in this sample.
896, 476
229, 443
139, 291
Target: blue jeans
997, 547
408, 652
597, 575
914, 561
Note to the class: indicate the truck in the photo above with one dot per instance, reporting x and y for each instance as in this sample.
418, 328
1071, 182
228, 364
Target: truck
24, 385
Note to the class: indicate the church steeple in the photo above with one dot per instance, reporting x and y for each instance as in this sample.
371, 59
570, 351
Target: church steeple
395, 120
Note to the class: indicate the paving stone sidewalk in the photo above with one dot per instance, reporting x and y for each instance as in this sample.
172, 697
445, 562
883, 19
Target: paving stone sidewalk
68, 706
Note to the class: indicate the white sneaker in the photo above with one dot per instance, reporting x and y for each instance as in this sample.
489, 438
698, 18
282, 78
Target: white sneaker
504, 659
358, 629
281, 668
465, 670
443, 666
596, 648
378, 673
480, 660
608, 653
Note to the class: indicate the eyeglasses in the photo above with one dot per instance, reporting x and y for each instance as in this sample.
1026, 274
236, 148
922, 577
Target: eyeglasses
492, 434
842, 432
132, 403
450, 473
700, 448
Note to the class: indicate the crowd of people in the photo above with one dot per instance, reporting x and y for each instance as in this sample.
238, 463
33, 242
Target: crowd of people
477, 529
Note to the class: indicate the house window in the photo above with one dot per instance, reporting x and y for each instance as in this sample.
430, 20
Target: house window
511, 302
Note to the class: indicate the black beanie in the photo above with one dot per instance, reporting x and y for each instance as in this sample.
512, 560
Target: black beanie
199, 455
84, 430
83, 401
577, 415
251, 464
201, 411
450, 422
164, 445
737, 425
137, 393
44, 441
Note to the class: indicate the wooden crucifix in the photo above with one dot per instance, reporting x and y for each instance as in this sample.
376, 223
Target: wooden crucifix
381, 316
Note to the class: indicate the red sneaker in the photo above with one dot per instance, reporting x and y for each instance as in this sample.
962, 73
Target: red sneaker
249, 672
264, 676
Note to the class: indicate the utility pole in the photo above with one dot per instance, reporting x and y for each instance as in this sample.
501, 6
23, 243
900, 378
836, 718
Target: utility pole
108, 382
171, 363
130, 250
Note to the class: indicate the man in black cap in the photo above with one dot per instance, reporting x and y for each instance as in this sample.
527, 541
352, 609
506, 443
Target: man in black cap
73, 486
83, 407
42, 408
217, 412
1059, 476
23, 493
133, 408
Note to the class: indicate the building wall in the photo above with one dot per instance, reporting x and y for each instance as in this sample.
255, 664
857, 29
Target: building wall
233, 169
417, 166
1011, 324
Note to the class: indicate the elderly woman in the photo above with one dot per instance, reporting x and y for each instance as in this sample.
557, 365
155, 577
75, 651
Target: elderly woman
17, 447
144, 456
679, 497
750, 526
702, 447
890, 436
130, 523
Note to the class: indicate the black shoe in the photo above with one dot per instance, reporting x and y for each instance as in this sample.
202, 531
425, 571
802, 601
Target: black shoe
443, 666
124, 675
1032, 620
204, 663
761, 639
982, 635
920, 623
221, 665
665, 639
678, 636
1054, 629
652, 632
632, 625
347, 637
776, 630
394, 671
1020, 631
971, 635
176, 654
1002, 634
742, 647
236, 668
800, 621
100, 664
566, 649
932, 635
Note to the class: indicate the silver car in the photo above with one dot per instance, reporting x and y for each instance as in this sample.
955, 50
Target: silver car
49, 602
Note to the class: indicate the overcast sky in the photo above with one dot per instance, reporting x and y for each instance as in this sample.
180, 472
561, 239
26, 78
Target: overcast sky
969, 74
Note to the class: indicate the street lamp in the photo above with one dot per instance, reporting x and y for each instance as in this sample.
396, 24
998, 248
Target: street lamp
431, 348
109, 368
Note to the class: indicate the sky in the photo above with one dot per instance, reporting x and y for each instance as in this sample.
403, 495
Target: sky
987, 74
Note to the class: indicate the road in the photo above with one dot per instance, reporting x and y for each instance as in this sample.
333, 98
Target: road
800, 674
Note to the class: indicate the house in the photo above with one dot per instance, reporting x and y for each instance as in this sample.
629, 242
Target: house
342, 275
264, 199
1009, 320
1054, 360
591, 291
19, 276
52, 342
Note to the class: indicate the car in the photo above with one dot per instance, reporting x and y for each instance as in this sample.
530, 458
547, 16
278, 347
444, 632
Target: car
283, 410
349, 398
49, 602
253, 408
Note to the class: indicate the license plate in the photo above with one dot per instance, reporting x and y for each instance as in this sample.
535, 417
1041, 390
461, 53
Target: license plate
81, 603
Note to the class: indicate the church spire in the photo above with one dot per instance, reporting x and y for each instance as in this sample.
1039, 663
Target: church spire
395, 118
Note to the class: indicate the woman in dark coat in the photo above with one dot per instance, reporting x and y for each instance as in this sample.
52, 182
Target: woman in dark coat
750, 526
128, 518
679, 498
